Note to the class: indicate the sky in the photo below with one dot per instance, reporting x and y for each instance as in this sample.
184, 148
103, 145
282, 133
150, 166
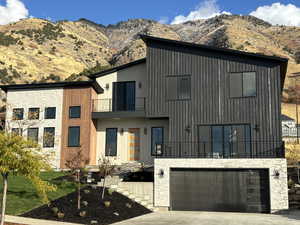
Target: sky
282, 12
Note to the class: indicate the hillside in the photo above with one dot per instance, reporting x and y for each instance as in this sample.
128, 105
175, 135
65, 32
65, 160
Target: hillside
34, 50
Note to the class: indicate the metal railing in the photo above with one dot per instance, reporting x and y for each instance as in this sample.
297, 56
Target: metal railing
111, 105
290, 131
221, 150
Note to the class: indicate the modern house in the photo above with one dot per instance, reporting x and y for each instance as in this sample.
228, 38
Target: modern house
209, 119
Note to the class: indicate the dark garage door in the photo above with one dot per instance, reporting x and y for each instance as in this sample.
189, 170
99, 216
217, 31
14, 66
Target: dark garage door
220, 190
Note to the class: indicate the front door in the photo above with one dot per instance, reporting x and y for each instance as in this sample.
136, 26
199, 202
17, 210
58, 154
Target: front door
134, 144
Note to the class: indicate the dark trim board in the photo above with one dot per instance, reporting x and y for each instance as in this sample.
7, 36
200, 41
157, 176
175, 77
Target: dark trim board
202, 189
115, 69
76, 84
125, 114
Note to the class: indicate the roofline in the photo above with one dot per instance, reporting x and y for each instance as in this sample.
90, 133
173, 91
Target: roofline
280, 60
147, 38
91, 83
115, 69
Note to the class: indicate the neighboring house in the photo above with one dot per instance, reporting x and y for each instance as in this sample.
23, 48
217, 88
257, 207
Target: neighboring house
287, 122
289, 128
208, 118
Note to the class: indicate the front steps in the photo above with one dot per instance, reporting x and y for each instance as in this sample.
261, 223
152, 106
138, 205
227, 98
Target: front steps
140, 192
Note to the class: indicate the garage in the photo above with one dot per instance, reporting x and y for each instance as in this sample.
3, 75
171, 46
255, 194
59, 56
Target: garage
224, 190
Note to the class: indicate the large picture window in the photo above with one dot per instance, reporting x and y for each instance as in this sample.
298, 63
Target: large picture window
74, 137
49, 136
33, 134
157, 138
242, 84
178, 87
224, 141
111, 142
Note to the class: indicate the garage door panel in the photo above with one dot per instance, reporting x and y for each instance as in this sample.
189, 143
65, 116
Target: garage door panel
219, 190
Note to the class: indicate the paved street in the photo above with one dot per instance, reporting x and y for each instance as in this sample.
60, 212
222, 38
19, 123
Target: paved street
213, 218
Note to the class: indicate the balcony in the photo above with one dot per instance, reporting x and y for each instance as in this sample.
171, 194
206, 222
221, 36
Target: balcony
221, 150
110, 108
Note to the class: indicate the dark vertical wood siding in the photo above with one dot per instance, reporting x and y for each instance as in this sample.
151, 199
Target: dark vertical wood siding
210, 102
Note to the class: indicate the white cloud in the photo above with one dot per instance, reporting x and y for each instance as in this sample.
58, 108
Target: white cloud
164, 20
13, 11
278, 13
205, 10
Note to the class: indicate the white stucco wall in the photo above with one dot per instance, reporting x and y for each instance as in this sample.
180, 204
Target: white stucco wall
123, 142
38, 98
135, 73
278, 186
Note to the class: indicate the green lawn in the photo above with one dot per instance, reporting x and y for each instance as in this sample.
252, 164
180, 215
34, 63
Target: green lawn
22, 196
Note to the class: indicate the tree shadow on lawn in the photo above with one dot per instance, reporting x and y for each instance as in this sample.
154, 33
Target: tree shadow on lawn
121, 208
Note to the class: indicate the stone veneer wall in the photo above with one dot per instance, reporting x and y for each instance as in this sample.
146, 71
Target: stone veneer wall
278, 186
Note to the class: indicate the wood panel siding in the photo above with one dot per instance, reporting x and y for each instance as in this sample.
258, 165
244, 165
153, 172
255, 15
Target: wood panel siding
81, 96
210, 101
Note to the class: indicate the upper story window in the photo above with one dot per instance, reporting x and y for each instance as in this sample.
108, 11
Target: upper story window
74, 112
50, 113
33, 113
124, 96
242, 84
179, 87
18, 114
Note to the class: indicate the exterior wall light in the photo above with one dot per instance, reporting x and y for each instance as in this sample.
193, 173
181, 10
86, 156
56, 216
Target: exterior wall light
107, 86
276, 174
256, 127
161, 173
188, 128
145, 131
140, 84
122, 131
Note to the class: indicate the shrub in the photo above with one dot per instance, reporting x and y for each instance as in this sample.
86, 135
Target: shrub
55, 210
7, 40
60, 215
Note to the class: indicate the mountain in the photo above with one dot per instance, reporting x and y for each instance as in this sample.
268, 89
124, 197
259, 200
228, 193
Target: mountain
35, 50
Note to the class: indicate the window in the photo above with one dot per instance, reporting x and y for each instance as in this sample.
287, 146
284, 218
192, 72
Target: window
242, 84
74, 137
50, 113
49, 136
124, 96
224, 141
157, 138
17, 131
33, 113
74, 112
33, 134
18, 114
178, 87
111, 142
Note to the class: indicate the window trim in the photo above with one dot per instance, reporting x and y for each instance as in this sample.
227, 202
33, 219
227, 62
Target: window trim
38, 132
16, 128
28, 113
177, 88
46, 113
52, 146
111, 128
252, 96
74, 146
74, 106
22, 109
163, 135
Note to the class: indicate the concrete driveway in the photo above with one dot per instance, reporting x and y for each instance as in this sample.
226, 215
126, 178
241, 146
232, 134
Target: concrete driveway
213, 218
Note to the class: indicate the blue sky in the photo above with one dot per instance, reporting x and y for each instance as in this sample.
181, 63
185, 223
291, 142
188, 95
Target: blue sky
112, 11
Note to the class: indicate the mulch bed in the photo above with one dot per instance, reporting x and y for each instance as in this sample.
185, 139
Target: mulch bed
121, 208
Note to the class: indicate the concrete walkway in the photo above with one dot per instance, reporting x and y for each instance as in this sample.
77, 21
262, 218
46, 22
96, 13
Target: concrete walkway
213, 218
29, 221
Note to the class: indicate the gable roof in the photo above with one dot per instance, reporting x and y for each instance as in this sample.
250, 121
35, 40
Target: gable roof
283, 62
90, 83
115, 69
286, 118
